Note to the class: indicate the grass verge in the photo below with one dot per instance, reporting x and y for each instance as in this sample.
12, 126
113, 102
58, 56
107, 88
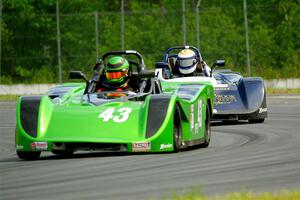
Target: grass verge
282, 195
283, 91
9, 97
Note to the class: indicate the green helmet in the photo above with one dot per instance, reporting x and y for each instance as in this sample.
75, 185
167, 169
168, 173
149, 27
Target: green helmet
116, 70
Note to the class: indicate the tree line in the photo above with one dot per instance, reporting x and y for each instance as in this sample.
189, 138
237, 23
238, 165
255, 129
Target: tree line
29, 34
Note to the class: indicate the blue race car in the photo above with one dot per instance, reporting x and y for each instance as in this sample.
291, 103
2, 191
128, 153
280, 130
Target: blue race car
236, 97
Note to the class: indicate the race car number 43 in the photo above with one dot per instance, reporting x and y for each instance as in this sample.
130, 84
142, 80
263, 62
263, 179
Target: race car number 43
121, 115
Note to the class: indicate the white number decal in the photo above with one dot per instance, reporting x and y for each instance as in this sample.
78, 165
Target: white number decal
121, 117
107, 114
124, 112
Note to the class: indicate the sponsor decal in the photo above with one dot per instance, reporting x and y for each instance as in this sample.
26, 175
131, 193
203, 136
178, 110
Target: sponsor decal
196, 128
39, 145
261, 110
223, 87
199, 114
19, 147
224, 99
141, 146
165, 146
192, 117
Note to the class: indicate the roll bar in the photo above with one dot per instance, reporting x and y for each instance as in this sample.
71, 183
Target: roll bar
127, 52
197, 52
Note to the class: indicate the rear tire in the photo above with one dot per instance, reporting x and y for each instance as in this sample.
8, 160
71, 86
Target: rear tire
177, 134
29, 155
207, 128
254, 121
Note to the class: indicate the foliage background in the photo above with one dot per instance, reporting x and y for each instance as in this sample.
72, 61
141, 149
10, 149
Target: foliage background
29, 46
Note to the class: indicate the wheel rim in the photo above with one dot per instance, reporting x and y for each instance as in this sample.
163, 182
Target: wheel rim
176, 135
208, 131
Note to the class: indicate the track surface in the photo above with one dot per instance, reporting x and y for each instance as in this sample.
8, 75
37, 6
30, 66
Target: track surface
254, 157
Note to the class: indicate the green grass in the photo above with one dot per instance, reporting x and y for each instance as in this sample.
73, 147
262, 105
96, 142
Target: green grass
282, 195
9, 97
283, 91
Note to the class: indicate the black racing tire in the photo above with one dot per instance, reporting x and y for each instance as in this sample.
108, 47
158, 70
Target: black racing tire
29, 155
62, 152
177, 131
228, 121
256, 121
207, 129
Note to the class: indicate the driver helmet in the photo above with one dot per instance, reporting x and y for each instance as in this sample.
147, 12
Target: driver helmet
187, 61
116, 71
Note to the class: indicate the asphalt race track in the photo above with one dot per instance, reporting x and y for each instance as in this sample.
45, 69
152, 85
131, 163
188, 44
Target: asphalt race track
241, 157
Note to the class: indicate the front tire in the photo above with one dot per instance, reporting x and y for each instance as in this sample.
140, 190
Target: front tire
177, 134
29, 155
207, 128
62, 152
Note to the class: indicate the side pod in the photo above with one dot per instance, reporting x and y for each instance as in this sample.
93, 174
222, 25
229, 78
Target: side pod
252, 92
29, 110
158, 106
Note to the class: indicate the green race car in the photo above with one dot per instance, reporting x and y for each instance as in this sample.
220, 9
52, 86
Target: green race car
75, 116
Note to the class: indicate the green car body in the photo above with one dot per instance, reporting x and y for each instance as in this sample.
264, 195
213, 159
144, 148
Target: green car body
67, 119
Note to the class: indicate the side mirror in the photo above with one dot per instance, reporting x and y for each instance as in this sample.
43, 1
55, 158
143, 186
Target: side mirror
77, 75
161, 65
218, 63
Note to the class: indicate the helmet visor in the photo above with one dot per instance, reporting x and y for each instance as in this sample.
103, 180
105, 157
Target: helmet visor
110, 75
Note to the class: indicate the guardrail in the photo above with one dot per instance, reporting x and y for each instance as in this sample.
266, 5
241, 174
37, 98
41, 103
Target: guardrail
29, 89
292, 83
25, 89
